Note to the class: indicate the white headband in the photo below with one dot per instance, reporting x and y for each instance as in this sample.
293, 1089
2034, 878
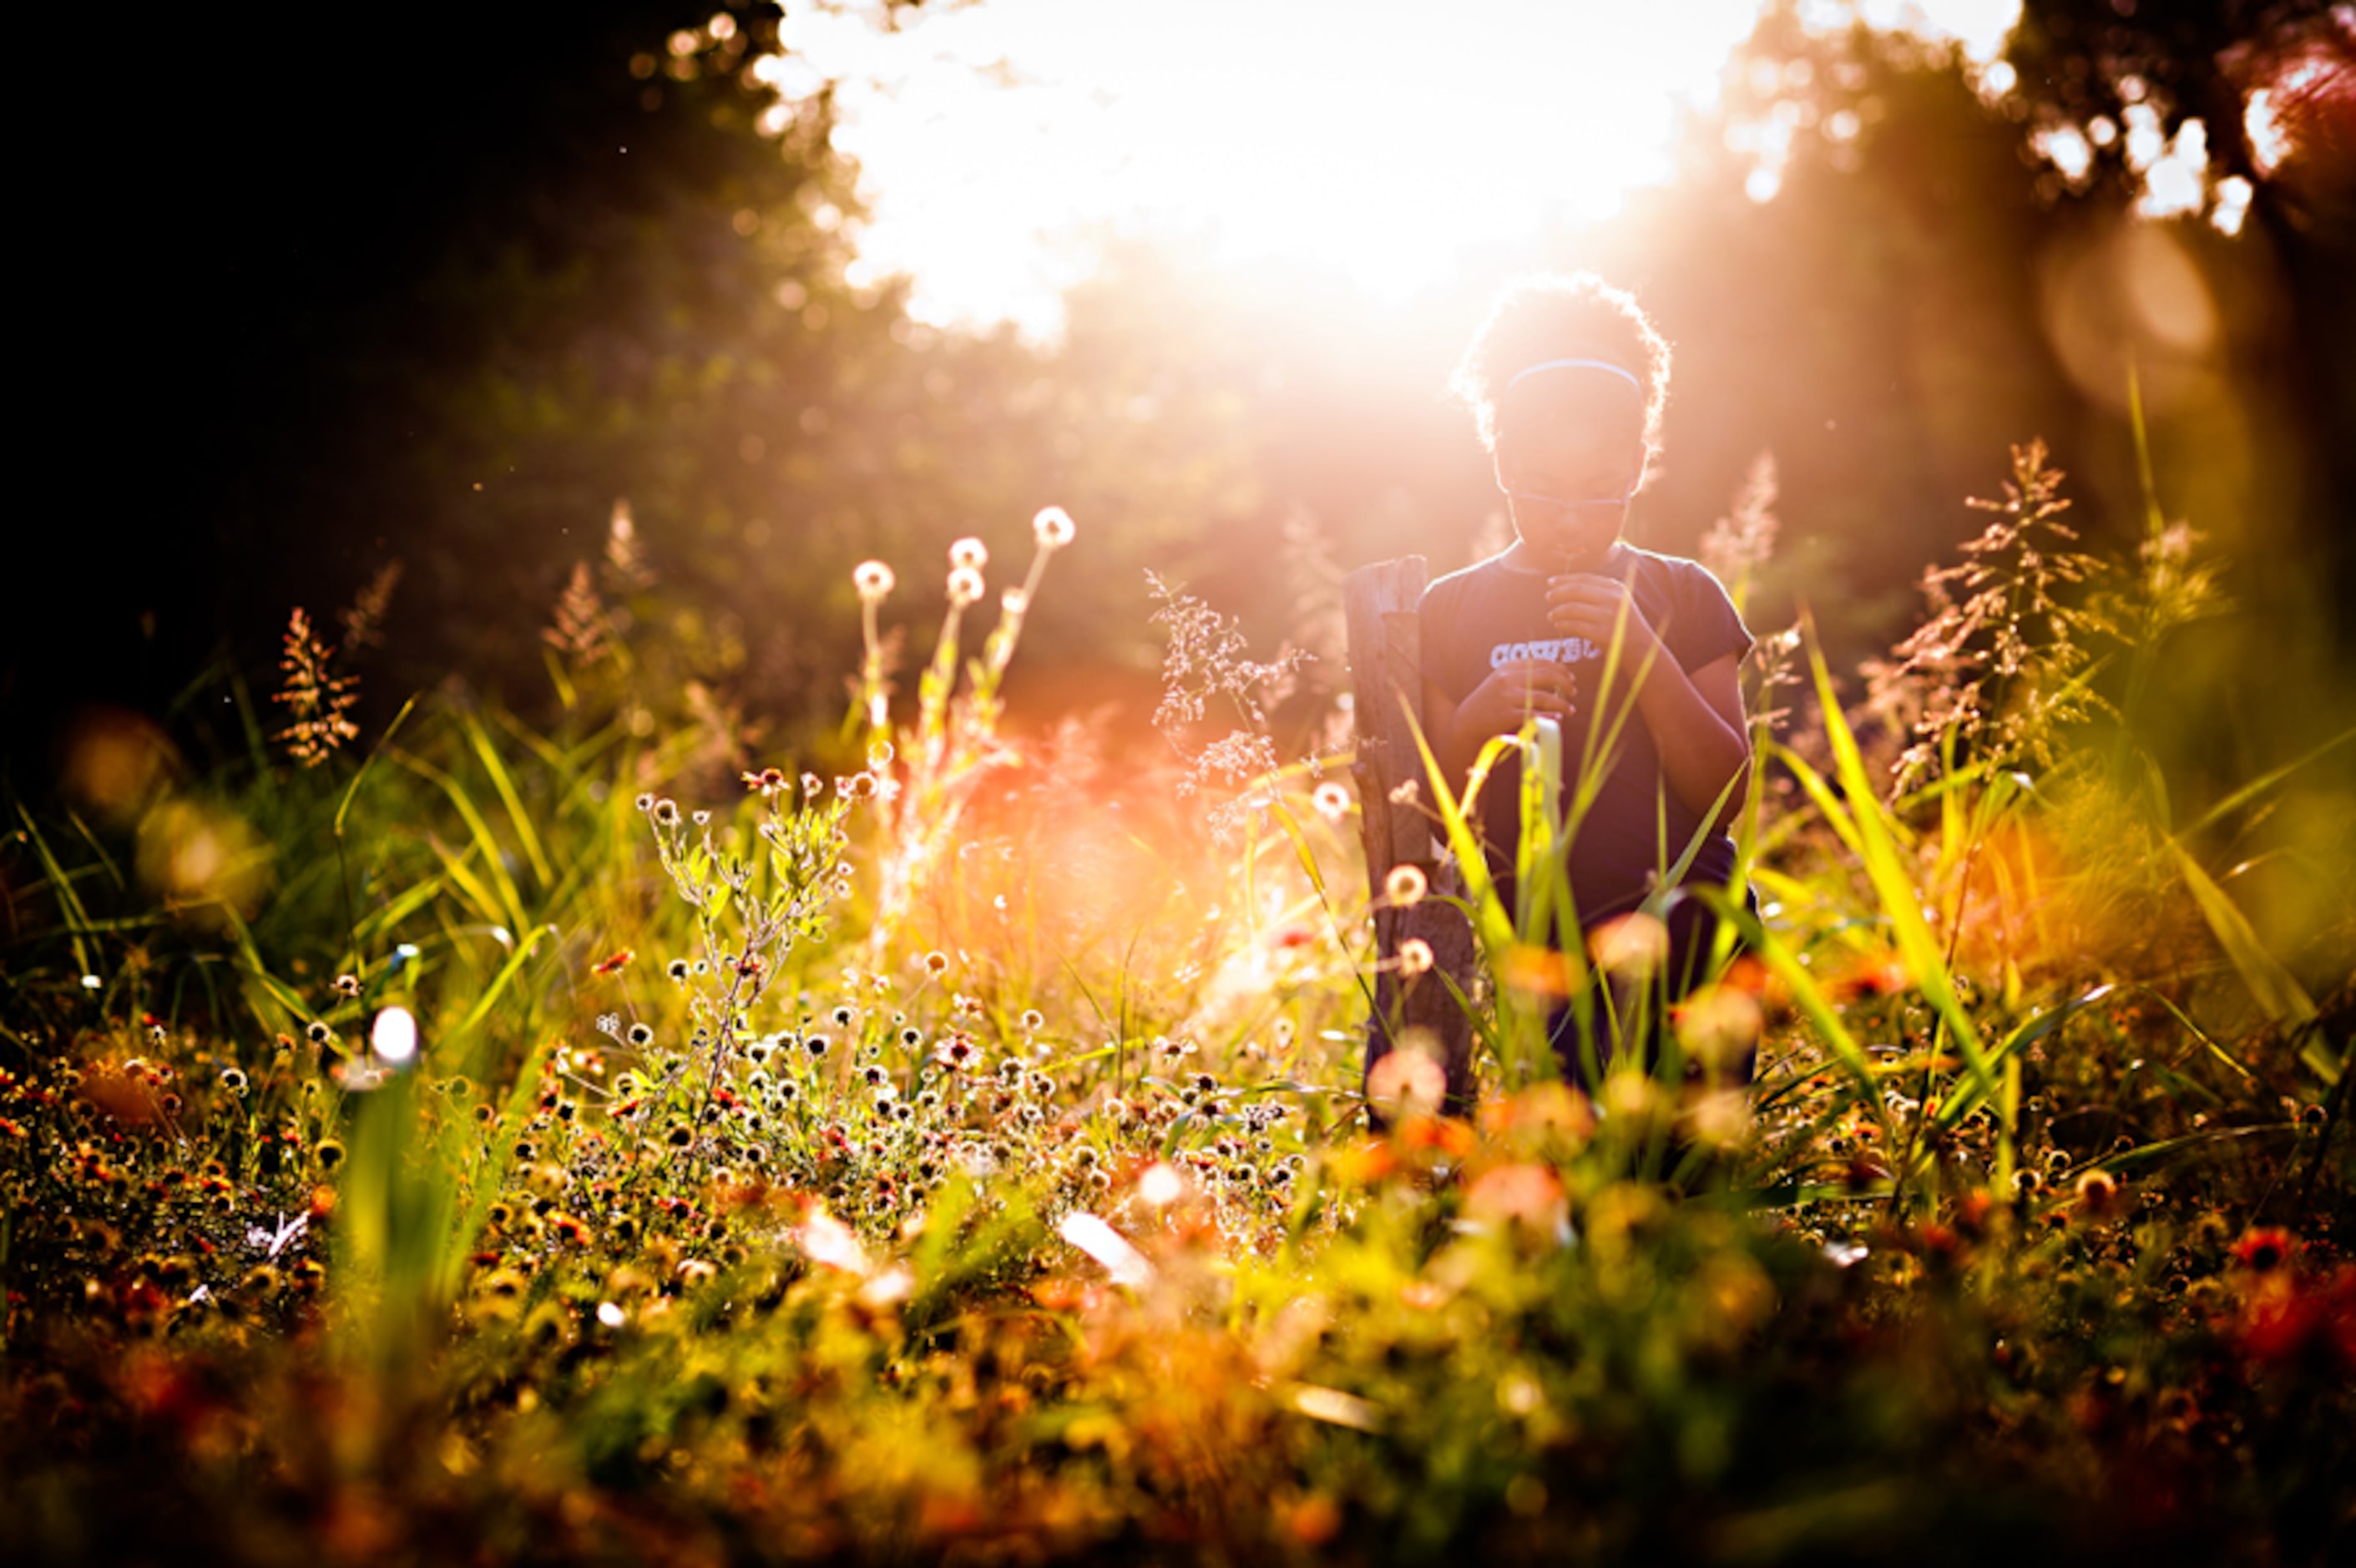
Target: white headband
1621, 370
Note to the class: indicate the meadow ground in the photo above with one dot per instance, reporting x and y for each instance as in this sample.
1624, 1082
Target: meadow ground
484, 1142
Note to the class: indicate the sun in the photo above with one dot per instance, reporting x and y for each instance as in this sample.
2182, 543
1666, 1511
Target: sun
1383, 139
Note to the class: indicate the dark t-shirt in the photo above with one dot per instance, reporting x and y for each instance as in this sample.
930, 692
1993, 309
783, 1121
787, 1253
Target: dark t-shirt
1490, 613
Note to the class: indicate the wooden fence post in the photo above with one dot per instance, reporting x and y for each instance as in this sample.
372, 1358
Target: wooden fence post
1395, 827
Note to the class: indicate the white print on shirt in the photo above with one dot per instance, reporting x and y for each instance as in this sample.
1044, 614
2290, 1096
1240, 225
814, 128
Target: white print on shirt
1560, 650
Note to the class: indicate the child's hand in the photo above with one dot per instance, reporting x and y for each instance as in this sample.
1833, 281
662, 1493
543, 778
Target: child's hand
1585, 605
1518, 691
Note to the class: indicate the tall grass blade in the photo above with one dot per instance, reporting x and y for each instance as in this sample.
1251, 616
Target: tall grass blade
2277, 991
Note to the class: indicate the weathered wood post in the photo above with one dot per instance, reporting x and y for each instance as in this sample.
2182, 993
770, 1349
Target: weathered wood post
1395, 824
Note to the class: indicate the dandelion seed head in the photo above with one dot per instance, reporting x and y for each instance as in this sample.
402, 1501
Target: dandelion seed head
1051, 527
1407, 1082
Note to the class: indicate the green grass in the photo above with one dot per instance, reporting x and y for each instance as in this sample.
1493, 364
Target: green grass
991, 1181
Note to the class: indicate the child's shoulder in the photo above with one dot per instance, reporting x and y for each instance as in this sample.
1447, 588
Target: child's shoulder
1680, 573
1661, 561
1444, 592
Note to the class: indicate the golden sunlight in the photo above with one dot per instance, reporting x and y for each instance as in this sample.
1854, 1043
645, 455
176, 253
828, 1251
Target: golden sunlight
1378, 138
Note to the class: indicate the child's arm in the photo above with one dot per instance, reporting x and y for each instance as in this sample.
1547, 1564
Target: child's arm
1511, 694
1698, 727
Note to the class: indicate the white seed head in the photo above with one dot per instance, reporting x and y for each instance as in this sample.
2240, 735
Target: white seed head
1052, 528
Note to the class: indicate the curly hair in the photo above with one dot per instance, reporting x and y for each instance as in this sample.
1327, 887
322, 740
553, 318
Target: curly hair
1560, 317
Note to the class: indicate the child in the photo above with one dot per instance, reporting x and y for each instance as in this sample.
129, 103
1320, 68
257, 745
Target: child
1566, 380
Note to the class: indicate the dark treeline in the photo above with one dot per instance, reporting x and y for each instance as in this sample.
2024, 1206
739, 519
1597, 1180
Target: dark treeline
442, 285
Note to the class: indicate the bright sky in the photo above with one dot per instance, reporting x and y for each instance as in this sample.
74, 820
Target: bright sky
1382, 136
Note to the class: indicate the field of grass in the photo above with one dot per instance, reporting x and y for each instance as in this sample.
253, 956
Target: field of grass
510, 1143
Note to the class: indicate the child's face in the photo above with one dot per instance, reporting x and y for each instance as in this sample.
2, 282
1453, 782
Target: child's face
1566, 474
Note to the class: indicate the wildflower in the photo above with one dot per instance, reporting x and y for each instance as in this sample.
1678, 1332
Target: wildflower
873, 580
665, 812
2264, 1249
1406, 885
614, 963
234, 1081
1015, 602
1414, 956
347, 986
1331, 800
1033, 1020
969, 554
318, 1033
768, 781
842, 1016
645, 803
329, 1153
1631, 947
1051, 527
815, 1046
676, 969
965, 586
2098, 1194
1406, 1082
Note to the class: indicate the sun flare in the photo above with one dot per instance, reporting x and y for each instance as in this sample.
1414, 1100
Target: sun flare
1382, 139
